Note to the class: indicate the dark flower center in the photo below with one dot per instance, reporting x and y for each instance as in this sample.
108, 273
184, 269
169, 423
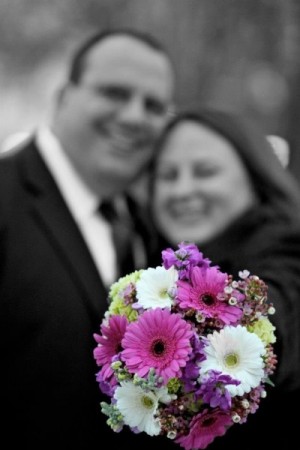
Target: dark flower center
158, 347
208, 421
207, 299
118, 348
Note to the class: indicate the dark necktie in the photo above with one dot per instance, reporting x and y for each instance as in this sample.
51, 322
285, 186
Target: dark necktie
122, 233
108, 211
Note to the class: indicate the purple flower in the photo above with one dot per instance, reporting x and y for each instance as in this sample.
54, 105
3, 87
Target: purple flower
190, 372
106, 385
213, 389
184, 259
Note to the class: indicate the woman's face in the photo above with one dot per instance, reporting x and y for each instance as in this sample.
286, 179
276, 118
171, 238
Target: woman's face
200, 185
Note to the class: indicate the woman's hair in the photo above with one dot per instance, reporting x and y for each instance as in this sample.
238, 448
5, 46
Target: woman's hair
273, 184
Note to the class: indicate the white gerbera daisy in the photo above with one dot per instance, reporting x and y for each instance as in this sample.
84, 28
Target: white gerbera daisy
154, 287
235, 352
138, 407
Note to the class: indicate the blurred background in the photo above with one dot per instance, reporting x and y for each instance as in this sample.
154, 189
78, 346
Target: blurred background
239, 54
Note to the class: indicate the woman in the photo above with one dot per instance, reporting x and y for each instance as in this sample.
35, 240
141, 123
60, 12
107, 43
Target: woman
216, 182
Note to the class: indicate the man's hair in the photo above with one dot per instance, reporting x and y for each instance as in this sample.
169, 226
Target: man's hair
78, 61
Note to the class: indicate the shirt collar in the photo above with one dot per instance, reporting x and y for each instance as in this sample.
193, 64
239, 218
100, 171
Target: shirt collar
79, 198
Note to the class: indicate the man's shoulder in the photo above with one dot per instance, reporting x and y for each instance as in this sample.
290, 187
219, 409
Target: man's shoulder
10, 163
9, 158
11, 152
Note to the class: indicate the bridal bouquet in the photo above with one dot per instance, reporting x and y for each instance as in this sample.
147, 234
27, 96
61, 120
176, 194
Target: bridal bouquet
185, 350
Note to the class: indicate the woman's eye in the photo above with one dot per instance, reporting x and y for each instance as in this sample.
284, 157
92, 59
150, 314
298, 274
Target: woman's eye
204, 171
167, 174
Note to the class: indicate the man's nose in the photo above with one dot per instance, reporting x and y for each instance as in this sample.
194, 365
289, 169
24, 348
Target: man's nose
134, 111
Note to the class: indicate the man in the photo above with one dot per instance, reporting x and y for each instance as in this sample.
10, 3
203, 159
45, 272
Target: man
53, 272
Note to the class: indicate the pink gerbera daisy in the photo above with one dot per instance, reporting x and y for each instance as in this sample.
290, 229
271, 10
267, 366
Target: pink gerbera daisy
109, 343
204, 428
202, 294
159, 340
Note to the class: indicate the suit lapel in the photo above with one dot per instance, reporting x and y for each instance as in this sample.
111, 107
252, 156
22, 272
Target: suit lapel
53, 217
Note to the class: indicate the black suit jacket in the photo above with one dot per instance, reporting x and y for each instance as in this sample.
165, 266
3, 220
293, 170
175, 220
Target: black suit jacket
51, 302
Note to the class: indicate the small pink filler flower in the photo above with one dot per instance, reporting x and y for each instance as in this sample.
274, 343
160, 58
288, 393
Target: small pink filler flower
158, 340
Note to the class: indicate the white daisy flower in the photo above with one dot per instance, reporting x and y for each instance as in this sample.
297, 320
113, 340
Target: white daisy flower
154, 287
138, 407
236, 352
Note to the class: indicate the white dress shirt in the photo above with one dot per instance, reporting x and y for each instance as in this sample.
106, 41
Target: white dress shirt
82, 203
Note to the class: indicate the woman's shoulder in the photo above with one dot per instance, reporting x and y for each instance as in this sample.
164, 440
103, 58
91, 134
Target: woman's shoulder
260, 238
275, 229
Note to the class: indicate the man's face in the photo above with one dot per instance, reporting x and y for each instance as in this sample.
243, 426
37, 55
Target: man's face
109, 121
